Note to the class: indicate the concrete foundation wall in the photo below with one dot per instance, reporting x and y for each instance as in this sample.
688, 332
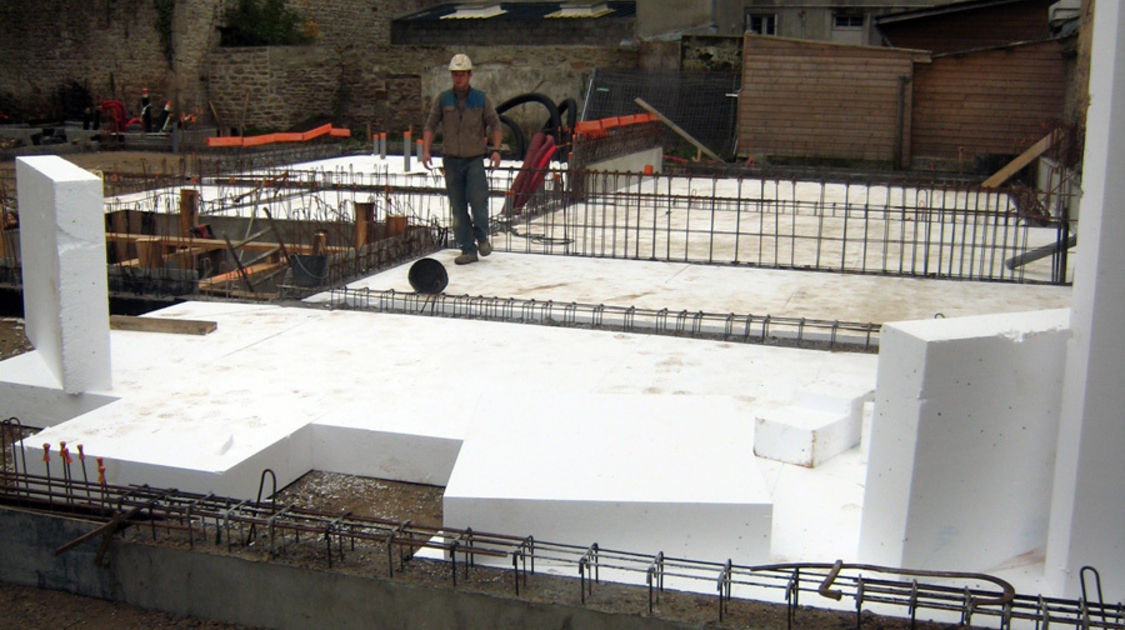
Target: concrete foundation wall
267, 595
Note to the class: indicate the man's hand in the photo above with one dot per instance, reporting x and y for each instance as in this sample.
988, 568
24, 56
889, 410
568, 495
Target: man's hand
494, 159
426, 158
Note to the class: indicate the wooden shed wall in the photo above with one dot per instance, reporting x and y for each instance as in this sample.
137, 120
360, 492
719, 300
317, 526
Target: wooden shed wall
811, 99
987, 102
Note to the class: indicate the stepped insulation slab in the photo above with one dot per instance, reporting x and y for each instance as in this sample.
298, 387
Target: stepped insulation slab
627, 471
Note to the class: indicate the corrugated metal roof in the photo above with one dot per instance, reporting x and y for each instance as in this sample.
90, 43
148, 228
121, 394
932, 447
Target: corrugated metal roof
526, 11
942, 9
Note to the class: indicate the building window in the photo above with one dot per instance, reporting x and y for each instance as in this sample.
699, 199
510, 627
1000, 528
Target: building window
847, 27
761, 23
847, 19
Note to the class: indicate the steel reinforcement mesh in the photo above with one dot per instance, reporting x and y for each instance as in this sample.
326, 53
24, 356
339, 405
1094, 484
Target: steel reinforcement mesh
867, 227
705, 105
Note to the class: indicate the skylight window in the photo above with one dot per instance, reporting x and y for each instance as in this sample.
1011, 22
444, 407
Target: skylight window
593, 10
475, 12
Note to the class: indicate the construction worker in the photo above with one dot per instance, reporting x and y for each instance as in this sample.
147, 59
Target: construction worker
467, 120
166, 118
146, 111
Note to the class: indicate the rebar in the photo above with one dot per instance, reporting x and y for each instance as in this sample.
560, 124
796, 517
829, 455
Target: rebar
746, 328
885, 225
908, 229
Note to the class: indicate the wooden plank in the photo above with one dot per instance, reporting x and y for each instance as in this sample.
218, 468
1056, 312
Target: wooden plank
364, 223
233, 276
181, 256
189, 207
161, 325
211, 244
1022, 160
150, 252
674, 127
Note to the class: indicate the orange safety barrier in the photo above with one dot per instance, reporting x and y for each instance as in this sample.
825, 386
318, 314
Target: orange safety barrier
288, 136
587, 126
316, 132
253, 141
600, 128
225, 141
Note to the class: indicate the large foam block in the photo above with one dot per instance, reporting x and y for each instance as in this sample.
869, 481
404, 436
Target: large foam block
803, 436
819, 425
62, 245
961, 452
664, 473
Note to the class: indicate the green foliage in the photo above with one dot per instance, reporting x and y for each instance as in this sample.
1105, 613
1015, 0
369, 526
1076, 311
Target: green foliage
264, 23
164, 11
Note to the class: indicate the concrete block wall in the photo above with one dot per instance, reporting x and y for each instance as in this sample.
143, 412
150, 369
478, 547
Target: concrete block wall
963, 440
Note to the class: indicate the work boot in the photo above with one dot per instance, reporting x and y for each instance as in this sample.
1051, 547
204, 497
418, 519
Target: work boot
484, 248
466, 258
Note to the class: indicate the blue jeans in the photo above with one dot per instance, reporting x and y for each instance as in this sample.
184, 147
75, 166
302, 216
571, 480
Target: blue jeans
467, 187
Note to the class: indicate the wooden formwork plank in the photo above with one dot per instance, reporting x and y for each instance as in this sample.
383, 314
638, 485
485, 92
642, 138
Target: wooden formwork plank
1021, 160
676, 128
162, 325
221, 279
210, 244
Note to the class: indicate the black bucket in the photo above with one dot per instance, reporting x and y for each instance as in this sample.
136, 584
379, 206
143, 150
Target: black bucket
308, 270
428, 276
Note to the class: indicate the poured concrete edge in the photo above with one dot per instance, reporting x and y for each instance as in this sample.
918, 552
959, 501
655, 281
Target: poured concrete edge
264, 594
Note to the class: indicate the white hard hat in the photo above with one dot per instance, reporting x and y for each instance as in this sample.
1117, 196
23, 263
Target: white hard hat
460, 62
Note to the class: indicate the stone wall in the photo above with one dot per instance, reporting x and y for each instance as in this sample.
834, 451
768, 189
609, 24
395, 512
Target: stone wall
388, 88
350, 76
711, 53
109, 47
